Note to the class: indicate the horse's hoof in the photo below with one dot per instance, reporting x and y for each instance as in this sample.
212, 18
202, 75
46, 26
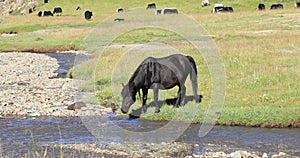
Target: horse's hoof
143, 111
199, 99
176, 106
182, 104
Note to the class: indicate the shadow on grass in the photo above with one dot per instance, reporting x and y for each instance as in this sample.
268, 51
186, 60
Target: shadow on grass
171, 102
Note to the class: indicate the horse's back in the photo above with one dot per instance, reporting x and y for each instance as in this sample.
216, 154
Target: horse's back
176, 67
177, 64
171, 58
167, 71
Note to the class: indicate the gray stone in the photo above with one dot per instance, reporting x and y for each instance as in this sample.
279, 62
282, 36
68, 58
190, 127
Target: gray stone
282, 154
265, 155
236, 154
77, 105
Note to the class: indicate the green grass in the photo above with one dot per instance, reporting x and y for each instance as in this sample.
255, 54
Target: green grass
149, 35
260, 51
261, 87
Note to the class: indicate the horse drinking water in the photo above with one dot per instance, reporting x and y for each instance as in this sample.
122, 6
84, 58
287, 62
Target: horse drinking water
160, 73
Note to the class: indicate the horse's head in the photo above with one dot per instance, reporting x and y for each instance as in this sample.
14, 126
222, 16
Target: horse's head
128, 98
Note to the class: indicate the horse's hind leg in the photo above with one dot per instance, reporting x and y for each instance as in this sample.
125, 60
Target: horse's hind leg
183, 91
181, 96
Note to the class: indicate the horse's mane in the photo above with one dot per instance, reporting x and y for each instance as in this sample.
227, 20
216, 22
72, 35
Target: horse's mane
141, 69
136, 72
131, 86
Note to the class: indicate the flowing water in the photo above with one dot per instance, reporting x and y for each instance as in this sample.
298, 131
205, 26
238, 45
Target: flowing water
66, 61
20, 135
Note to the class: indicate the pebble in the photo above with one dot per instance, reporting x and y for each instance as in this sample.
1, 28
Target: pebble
236, 154
282, 154
219, 154
265, 155
107, 110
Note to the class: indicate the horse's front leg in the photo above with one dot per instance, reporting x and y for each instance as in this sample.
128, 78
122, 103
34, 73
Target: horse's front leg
155, 91
145, 94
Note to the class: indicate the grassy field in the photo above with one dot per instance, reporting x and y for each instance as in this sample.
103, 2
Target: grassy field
260, 51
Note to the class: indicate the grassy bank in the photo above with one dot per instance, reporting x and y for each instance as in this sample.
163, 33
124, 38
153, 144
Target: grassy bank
260, 51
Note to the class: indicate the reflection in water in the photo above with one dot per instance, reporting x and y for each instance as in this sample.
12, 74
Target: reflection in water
19, 135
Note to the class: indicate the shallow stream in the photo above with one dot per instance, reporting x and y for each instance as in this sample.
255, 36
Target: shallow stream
20, 135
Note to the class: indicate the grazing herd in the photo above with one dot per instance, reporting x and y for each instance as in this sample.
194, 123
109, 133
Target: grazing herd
220, 8
217, 8
152, 6
275, 6
58, 12
162, 11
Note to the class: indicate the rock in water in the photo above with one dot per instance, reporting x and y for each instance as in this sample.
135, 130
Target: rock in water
114, 107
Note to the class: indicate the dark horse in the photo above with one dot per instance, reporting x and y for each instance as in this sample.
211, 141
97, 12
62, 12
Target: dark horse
160, 73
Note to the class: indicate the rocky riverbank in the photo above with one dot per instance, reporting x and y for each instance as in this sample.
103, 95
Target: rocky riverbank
174, 149
29, 87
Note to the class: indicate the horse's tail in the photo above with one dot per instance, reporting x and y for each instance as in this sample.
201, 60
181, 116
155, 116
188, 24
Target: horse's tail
193, 77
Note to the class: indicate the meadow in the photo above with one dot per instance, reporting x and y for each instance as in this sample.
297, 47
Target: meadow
260, 51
